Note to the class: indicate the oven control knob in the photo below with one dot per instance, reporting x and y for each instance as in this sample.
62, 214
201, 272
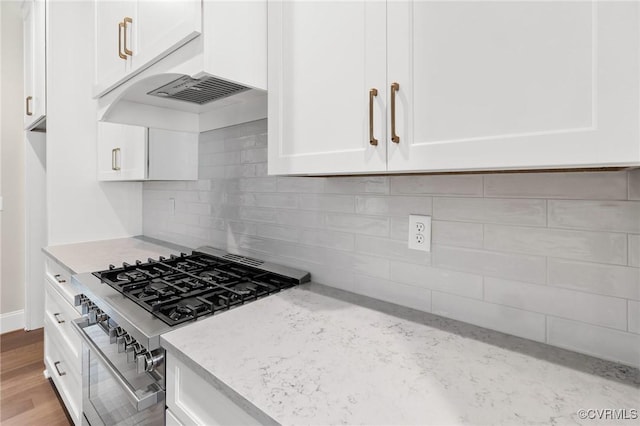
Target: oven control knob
96, 315
141, 362
93, 314
149, 361
87, 307
114, 333
133, 351
124, 342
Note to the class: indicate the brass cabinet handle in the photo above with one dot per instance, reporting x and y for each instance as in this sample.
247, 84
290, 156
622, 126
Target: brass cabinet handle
394, 88
120, 28
114, 159
127, 20
29, 98
372, 93
56, 315
55, 364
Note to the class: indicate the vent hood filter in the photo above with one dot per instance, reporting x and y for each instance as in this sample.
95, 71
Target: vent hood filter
198, 90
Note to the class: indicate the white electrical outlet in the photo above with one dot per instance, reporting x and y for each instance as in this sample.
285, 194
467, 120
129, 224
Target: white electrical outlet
420, 232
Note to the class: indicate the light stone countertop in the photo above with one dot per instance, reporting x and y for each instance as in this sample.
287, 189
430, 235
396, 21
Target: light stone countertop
317, 355
95, 256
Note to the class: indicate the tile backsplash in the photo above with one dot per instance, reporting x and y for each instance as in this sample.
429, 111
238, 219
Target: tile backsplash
552, 257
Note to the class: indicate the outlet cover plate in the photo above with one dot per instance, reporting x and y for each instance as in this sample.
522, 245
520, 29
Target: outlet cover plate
419, 232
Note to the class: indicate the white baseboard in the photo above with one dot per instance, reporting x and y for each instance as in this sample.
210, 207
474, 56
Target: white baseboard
12, 321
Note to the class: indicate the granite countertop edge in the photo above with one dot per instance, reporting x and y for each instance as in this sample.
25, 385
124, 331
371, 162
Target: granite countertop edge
51, 252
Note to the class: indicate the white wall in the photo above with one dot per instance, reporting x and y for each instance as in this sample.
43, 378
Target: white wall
79, 207
12, 164
553, 257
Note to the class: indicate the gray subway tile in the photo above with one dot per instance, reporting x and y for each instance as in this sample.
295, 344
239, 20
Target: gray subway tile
327, 203
358, 224
601, 247
357, 185
609, 280
300, 184
460, 283
504, 265
392, 292
393, 205
602, 342
586, 307
634, 316
576, 185
634, 184
529, 325
616, 216
329, 239
487, 210
459, 234
391, 249
634, 250
470, 185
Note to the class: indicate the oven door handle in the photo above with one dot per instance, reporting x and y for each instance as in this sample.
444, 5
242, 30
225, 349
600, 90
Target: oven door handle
140, 399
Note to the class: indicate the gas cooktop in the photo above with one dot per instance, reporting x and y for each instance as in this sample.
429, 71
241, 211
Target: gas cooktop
186, 287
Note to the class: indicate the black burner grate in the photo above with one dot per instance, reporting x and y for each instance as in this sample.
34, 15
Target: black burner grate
187, 287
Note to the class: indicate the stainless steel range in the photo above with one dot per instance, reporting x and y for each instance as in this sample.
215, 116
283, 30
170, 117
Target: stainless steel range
127, 308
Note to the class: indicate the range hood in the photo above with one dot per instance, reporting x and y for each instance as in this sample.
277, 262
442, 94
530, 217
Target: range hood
182, 102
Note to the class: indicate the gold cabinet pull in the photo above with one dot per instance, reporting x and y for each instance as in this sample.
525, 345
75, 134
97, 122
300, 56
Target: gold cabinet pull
29, 99
372, 93
114, 159
127, 20
394, 88
120, 28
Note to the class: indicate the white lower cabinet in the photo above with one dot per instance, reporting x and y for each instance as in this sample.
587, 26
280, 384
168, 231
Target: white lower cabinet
62, 347
65, 377
191, 400
171, 419
136, 153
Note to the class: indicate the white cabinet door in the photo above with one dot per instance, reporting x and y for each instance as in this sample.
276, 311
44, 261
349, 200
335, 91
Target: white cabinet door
513, 84
112, 61
324, 58
131, 35
163, 26
122, 152
193, 401
34, 31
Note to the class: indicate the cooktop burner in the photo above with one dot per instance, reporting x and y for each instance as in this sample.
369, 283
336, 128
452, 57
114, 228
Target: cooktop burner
187, 287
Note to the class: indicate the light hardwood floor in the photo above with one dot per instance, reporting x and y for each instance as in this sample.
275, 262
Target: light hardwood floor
26, 397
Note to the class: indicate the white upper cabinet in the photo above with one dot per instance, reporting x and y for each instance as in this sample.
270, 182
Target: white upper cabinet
163, 26
138, 153
324, 60
34, 42
113, 39
477, 85
132, 35
512, 84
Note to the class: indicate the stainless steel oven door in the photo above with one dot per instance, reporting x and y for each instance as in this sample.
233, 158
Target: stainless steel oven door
113, 392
